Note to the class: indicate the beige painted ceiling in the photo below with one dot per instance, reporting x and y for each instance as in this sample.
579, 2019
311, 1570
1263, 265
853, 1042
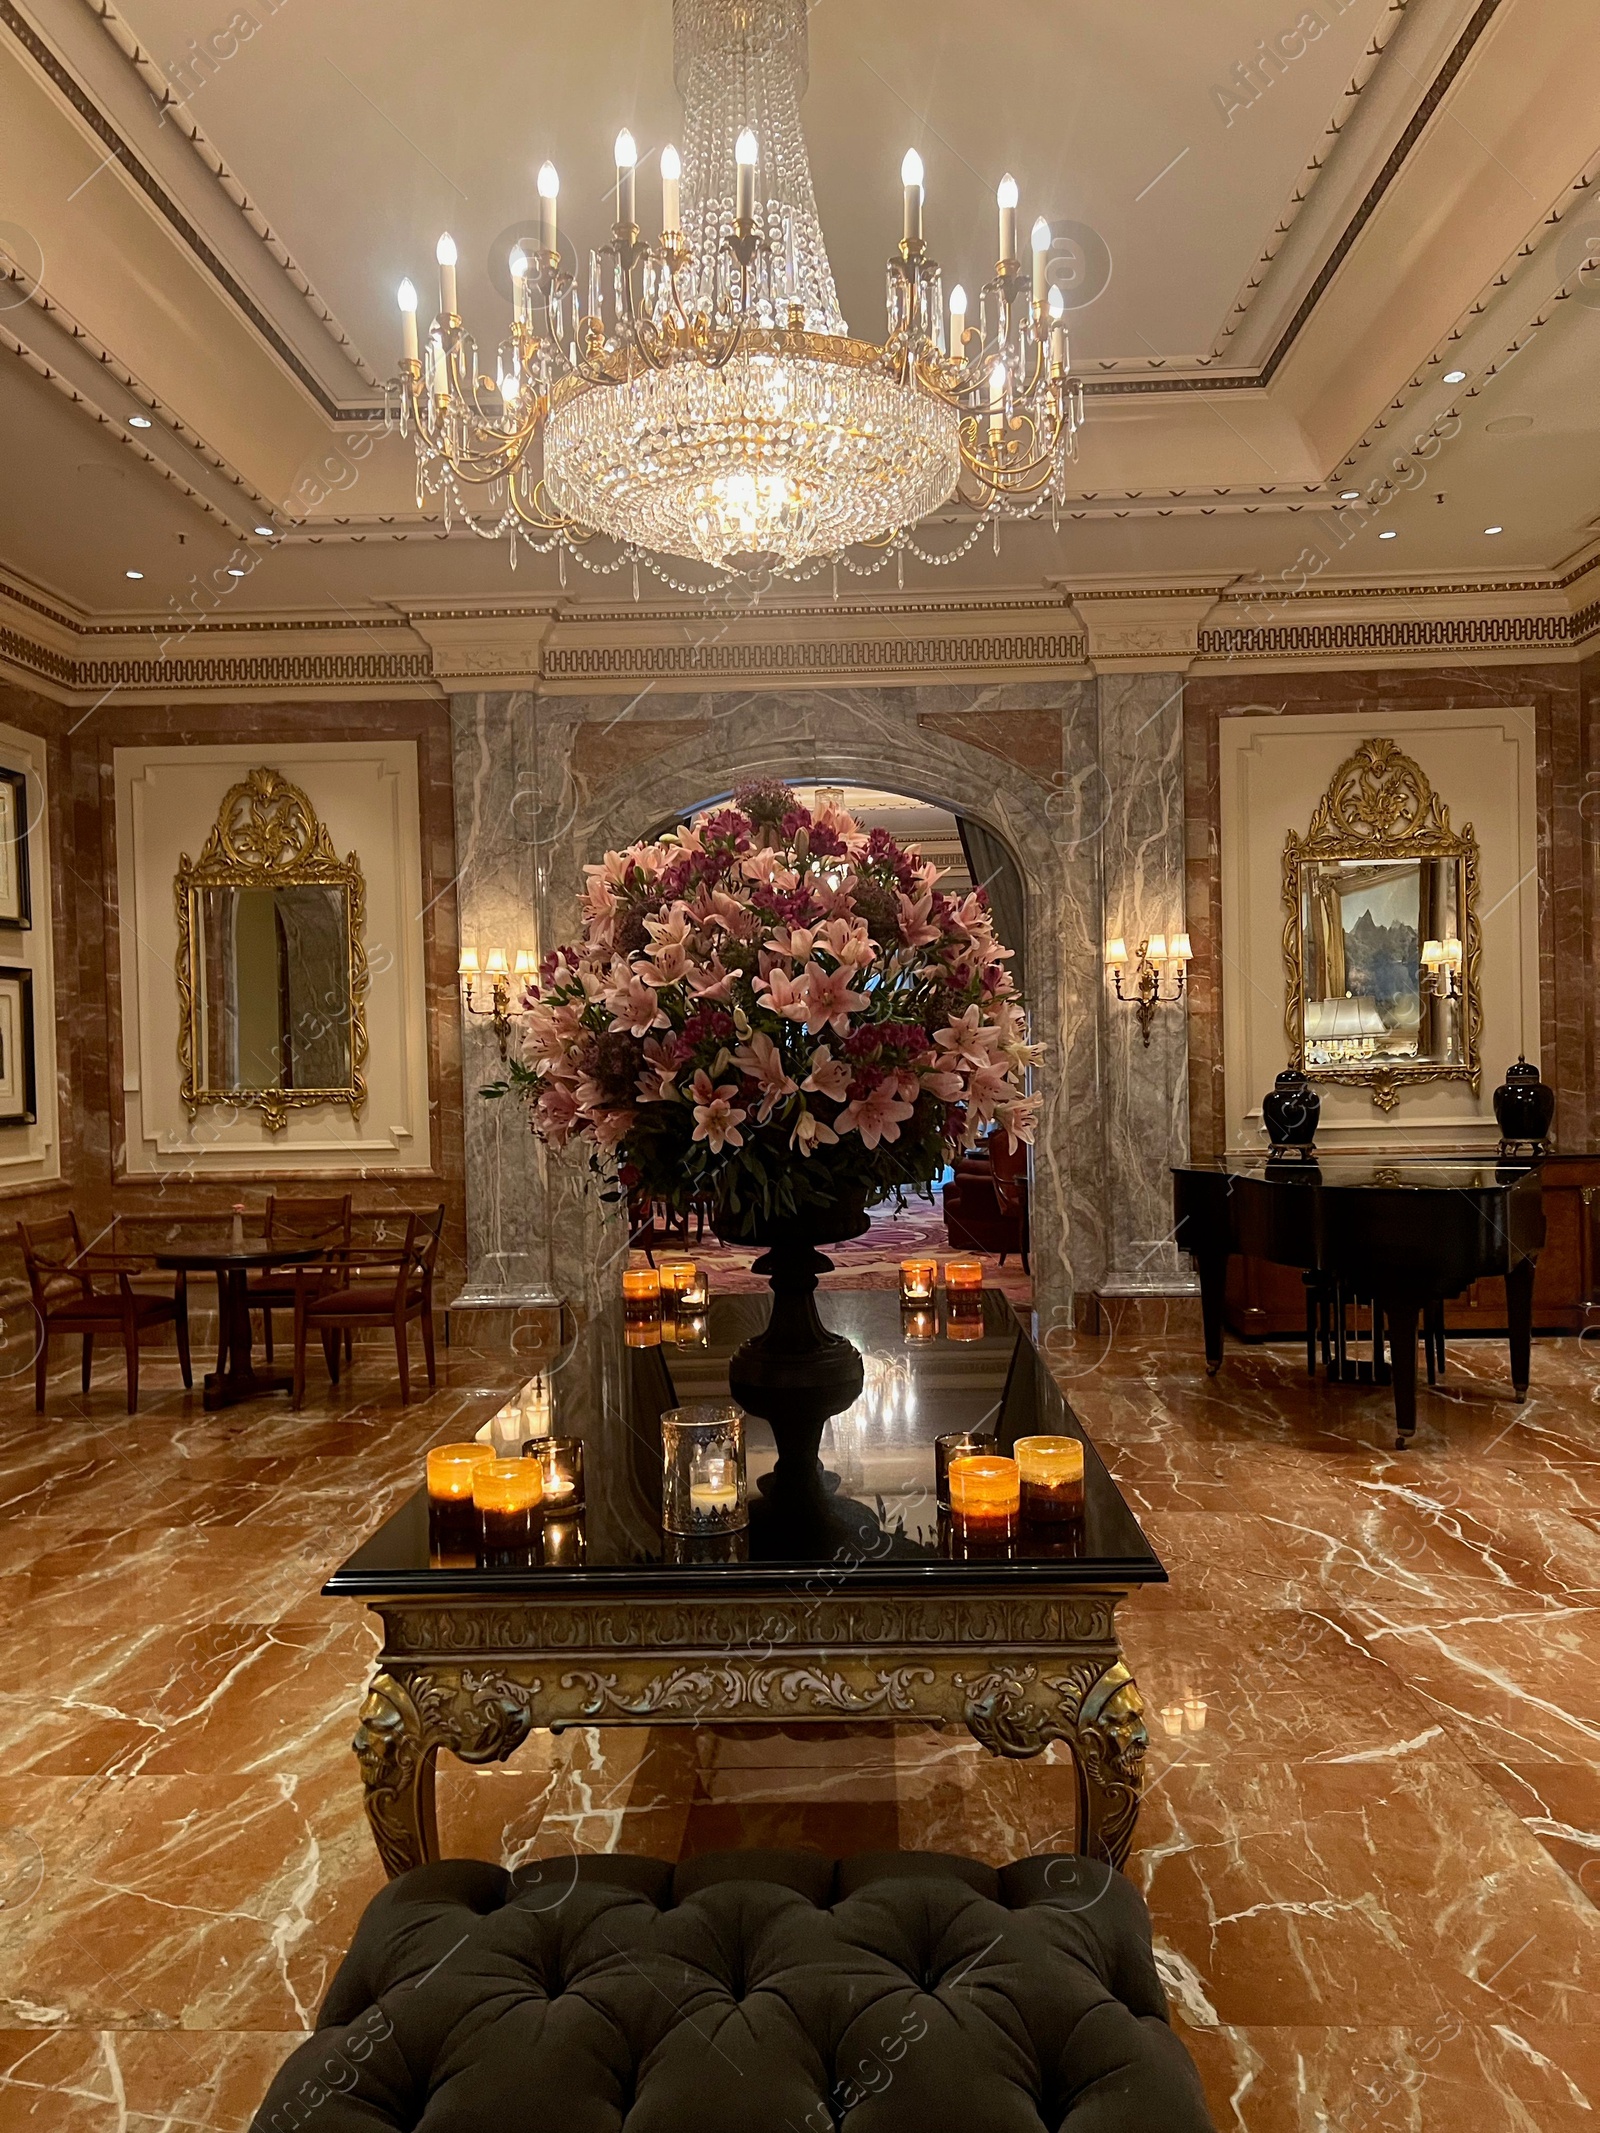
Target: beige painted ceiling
1285, 280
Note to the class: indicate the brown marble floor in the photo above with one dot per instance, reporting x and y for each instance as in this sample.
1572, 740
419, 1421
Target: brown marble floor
1370, 1843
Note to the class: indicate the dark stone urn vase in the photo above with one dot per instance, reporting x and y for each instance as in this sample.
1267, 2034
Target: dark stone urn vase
795, 1373
1524, 1106
1290, 1111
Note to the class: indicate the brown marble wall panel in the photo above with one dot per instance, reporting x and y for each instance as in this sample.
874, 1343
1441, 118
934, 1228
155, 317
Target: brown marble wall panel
88, 978
1565, 701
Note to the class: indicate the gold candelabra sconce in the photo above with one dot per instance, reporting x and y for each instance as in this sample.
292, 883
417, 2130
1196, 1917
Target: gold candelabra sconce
1442, 962
503, 977
1153, 960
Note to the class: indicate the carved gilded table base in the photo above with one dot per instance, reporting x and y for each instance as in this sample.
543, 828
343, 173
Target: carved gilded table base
1019, 1671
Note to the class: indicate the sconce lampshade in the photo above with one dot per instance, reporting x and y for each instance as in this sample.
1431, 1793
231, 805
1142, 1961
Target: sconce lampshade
1116, 950
496, 965
1156, 948
524, 965
1432, 954
1179, 950
468, 965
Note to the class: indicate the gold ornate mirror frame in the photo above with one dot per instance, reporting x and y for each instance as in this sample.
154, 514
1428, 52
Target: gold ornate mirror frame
267, 836
1379, 805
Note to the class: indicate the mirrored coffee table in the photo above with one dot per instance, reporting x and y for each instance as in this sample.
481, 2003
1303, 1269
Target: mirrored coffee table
851, 1598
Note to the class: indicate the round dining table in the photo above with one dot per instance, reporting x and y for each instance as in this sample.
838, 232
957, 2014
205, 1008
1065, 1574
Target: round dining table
236, 1377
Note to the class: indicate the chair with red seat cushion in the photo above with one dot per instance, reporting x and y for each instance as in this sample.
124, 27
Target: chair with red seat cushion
68, 1299
986, 1202
386, 1286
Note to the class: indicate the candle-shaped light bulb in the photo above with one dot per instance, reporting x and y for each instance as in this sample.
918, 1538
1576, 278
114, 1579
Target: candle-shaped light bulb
1060, 361
408, 321
997, 402
1007, 198
626, 155
518, 263
911, 180
445, 252
671, 175
1041, 262
549, 191
746, 153
958, 319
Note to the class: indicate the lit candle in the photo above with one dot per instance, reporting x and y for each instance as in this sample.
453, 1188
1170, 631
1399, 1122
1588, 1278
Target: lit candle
986, 1492
549, 190
917, 1279
451, 1520
958, 319
627, 159
962, 1276
519, 285
641, 1293
1052, 1479
714, 1488
1006, 195
1060, 359
997, 402
445, 253
560, 1461
911, 180
507, 1494
671, 174
1041, 265
408, 321
746, 153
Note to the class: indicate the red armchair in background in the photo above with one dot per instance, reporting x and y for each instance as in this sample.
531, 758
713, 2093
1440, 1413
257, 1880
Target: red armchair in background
986, 1202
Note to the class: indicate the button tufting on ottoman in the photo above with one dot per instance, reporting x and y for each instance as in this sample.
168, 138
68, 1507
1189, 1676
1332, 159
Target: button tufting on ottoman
747, 1992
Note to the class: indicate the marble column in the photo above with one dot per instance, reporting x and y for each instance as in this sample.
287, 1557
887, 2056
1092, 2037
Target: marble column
1145, 1100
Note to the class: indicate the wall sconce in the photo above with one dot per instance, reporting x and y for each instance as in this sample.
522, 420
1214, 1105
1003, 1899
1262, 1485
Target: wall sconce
1442, 961
500, 1011
1153, 956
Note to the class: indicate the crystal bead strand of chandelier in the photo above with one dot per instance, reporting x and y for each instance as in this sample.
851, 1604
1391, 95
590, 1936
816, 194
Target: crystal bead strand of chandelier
740, 63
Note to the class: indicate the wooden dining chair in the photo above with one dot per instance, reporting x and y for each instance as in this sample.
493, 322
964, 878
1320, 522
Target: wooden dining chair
296, 1222
381, 1286
71, 1294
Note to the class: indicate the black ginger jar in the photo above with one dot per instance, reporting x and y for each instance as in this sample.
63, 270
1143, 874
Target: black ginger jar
1290, 1110
1523, 1104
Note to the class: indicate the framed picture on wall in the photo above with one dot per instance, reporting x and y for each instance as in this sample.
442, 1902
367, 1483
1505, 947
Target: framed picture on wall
18, 1080
16, 903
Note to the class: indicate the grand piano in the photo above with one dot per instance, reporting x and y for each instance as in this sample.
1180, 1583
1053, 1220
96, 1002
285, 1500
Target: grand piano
1405, 1235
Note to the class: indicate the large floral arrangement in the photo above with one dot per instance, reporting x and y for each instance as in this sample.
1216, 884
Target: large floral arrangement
775, 1010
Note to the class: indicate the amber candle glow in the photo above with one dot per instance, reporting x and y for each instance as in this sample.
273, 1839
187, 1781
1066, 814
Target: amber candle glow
959, 1444
452, 1522
561, 1465
641, 1296
1052, 1479
961, 1276
920, 1325
507, 1494
917, 1280
985, 1493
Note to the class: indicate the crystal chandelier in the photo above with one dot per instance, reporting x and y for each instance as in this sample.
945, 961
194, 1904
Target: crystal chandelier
701, 396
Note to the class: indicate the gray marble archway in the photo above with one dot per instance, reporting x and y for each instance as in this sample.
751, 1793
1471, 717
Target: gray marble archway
546, 784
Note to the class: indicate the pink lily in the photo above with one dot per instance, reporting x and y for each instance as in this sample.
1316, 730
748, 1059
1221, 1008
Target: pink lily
876, 1117
829, 1000
828, 1076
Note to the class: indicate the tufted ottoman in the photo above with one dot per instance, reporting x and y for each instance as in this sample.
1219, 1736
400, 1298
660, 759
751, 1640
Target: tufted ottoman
747, 1992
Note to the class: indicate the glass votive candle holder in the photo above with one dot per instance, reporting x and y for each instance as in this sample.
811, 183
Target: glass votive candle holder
508, 1494
920, 1325
964, 1322
1052, 1479
641, 1296
918, 1279
703, 1472
958, 1444
985, 1496
706, 1548
561, 1467
452, 1521
962, 1277
566, 1545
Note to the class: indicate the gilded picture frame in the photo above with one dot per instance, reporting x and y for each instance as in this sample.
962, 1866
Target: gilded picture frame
1379, 806
267, 836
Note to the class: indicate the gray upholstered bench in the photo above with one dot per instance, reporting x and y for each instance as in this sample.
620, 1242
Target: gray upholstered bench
747, 1992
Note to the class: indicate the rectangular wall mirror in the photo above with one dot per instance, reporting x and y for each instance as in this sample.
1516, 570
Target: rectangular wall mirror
272, 972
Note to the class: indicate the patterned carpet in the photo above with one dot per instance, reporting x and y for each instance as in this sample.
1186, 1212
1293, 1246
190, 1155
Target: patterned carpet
872, 1261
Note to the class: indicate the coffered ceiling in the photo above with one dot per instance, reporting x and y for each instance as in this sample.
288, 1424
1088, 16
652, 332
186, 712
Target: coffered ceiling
1279, 228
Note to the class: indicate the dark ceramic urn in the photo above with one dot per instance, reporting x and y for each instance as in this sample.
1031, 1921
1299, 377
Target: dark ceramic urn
1524, 1105
1290, 1111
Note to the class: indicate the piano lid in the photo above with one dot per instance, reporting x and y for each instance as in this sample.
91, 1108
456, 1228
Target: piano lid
1398, 1173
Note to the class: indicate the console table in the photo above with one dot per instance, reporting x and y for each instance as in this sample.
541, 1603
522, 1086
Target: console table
884, 1627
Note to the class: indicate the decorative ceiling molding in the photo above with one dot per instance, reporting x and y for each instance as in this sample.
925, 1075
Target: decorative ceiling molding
174, 110
67, 85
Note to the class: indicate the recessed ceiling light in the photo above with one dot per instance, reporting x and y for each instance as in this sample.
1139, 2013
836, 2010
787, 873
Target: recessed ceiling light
1349, 496
139, 422
1455, 377
266, 532
1391, 535
1494, 529
234, 571
133, 573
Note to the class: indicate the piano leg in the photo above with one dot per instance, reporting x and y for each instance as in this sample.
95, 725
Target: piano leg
1402, 1318
1213, 1270
1519, 1324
